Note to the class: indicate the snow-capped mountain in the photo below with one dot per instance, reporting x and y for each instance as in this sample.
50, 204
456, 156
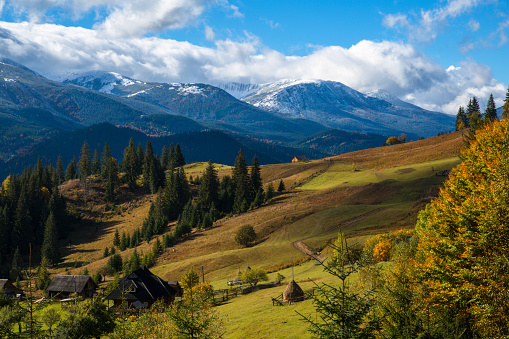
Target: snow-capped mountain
107, 82
336, 105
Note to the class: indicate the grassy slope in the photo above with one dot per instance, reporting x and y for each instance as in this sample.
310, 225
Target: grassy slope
387, 189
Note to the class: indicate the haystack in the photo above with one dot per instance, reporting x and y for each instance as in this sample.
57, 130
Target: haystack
293, 292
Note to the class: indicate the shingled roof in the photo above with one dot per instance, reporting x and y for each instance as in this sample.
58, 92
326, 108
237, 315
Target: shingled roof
141, 284
69, 283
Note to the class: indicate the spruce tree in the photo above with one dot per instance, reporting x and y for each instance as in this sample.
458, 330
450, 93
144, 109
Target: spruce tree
84, 164
461, 119
490, 114
241, 184
71, 171
179, 157
60, 170
281, 186
49, 249
209, 186
140, 156
16, 265
165, 158
147, 165
105, 157
474, 114
255, 178
505, 107
95, 165
173, 163
116, 238
129, 165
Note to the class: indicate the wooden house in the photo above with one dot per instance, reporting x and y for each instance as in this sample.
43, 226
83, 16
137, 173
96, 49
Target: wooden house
9, 289
299, 158
62, 286
140, 289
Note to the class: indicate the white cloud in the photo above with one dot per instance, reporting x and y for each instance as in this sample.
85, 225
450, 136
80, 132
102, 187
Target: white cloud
209, 33
271, 23
396, 67
426, 25
474, 25
236, 12
2, 3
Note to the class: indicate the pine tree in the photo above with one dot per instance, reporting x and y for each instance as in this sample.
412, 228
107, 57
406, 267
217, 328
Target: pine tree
255, 178
281, 186
209, 186
172, 157
165, 158
140, 156
129, 165
71, 172
84, 164
147, 165
116, 238
50, 243
474, 114
95, 165
490, 114
179, 157
505, 107
461, 119
105, 158
241, 184
60, 170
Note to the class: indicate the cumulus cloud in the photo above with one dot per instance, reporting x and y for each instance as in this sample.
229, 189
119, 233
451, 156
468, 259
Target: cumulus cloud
54, 50
209, 33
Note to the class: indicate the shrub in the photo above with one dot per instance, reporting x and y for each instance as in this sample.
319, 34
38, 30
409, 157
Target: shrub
245, 235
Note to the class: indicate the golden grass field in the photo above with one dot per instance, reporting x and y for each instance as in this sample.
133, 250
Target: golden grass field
364, 193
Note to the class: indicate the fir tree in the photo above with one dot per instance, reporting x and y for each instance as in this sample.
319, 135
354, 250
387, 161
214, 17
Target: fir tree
95, 165
84, 164
105, 158
474, 114
165, 158
71, 171
129, 165
461, 119
140, 156
173, 163
116, 238
16, 265
209, 186
505, 107
60, 170
50, 243
241, 184
281, 186
112, 181
255, 178
490, 114
179, 157
147, 165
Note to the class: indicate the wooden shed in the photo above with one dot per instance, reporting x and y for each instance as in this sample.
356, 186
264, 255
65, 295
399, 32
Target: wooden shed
140, 289
9, 289
299, 158
62, 286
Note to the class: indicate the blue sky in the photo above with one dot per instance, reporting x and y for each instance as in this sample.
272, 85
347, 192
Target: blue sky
436, 54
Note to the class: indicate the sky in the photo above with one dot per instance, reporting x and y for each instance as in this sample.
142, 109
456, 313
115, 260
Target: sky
435, 54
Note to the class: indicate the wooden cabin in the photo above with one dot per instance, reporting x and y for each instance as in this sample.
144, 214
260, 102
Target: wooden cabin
141, 289
299, 158
62, 286
9, 289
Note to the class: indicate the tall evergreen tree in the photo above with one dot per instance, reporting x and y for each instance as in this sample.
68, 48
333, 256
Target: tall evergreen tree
209, 186
112, 181
147, 164
84, 163
116, 238
71, 172
16, 265
165, 158
140, 156
179, 157
105, 157
490, 114
49, 249
129, 165
241, 184
95, 165
173, 163
461, 119
255, 177
60, 170
474, 114
505, 107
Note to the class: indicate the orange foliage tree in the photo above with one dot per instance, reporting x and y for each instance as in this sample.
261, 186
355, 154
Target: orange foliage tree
463, 253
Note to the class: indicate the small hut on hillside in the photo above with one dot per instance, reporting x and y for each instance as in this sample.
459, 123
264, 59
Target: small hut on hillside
299, 158
293, 293
62, 286
9, 289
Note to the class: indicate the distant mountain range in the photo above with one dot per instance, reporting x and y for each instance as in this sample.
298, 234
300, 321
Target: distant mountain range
282, 118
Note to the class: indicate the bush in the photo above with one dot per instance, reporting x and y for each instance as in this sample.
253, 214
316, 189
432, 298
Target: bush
254, 276
245, 235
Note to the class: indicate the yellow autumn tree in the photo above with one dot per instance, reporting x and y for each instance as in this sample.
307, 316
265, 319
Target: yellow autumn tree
463, 253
